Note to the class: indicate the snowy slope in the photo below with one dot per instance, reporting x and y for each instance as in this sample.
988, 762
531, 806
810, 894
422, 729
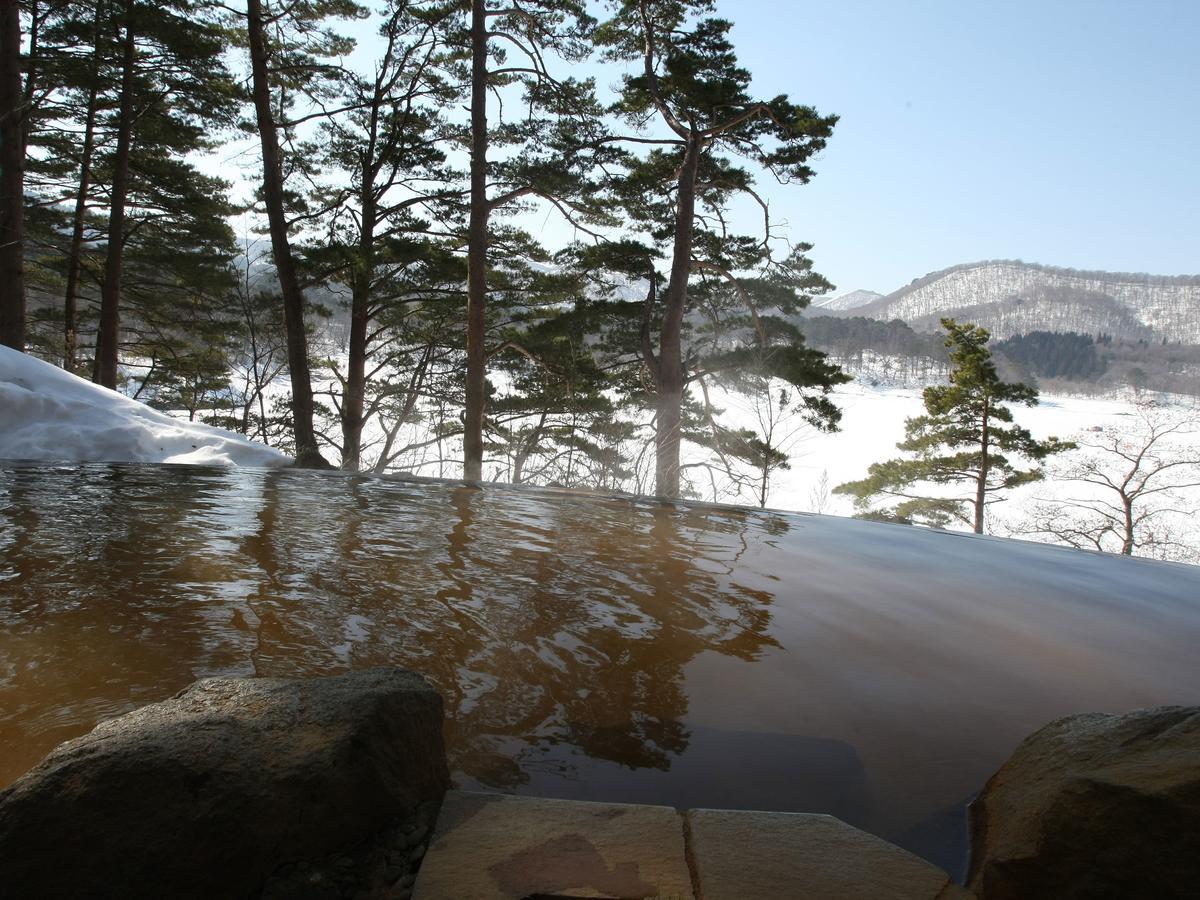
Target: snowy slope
873, 421
46, 413
843, 302
1011, 297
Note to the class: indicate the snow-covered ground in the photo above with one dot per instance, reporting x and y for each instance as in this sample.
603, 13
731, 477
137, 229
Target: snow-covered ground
872, 423
47, 413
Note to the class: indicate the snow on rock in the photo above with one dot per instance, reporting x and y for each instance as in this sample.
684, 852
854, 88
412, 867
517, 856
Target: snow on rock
49, 414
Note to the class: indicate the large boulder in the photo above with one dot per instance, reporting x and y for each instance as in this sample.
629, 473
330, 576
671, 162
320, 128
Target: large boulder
235, 787
1094, 806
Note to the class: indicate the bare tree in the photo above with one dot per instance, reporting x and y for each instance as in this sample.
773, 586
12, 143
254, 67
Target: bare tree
779, 427
1134, 485
818, 494
261, 358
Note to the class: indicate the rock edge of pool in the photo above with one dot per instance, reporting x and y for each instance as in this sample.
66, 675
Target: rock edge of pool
339, 787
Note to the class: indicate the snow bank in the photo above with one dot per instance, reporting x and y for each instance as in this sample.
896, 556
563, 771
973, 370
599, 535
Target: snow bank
47, 413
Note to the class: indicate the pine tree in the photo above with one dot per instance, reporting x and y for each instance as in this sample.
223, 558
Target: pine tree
390, 183
691, 84
120, 216
173, 91
83, 188
965, 439
14, 112
291, 64
545, 153
558, 422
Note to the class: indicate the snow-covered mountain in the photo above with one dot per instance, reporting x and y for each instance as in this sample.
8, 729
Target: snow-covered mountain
1011, 297
844, 302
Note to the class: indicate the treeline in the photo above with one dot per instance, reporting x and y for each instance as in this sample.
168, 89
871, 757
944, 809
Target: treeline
846, 338
391, 183
1069, 361
1100, 363
1047, 354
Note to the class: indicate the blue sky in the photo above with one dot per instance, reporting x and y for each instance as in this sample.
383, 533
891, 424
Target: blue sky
1064, 132
1059, 132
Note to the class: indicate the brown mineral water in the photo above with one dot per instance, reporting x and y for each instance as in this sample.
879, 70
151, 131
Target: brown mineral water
586, 647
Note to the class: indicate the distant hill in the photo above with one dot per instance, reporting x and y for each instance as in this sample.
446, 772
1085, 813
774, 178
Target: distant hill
842, 302
1010, 297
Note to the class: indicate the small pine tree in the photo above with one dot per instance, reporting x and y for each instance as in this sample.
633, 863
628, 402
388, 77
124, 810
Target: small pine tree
965, 438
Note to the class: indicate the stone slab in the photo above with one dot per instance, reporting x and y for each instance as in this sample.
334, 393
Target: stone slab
796, 856
504, 847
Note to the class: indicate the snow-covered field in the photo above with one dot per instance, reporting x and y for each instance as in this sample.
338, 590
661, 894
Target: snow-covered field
872, 423
49, 414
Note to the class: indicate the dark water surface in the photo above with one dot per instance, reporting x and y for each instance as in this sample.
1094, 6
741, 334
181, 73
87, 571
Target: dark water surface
587, 648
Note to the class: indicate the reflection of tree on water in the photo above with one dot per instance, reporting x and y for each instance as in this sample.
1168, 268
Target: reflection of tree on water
542, 620
109, 602
597, 626
260, 544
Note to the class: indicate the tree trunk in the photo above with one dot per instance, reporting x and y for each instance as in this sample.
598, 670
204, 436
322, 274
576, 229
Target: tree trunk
354, 398
1127, 542
307, 453
981, 482
477, 251
670, 356
75, 255
104, 370
526, 448
12, 179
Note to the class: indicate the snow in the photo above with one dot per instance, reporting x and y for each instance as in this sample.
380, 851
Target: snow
852, 300
872, 423
49, 414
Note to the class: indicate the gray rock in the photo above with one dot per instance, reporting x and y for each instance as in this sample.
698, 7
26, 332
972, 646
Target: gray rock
1094, 806
229, 787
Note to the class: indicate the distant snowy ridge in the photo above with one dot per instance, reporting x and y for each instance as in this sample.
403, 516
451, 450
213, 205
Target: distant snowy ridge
49, 414
1012, 297
843, 302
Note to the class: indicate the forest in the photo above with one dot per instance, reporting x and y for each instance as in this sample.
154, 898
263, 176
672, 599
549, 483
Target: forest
203, 203
1061, 362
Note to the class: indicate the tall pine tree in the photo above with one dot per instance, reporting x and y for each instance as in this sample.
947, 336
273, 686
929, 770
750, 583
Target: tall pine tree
690, 85
549, 153
171, 92
386, 183
290, 65
14, 111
